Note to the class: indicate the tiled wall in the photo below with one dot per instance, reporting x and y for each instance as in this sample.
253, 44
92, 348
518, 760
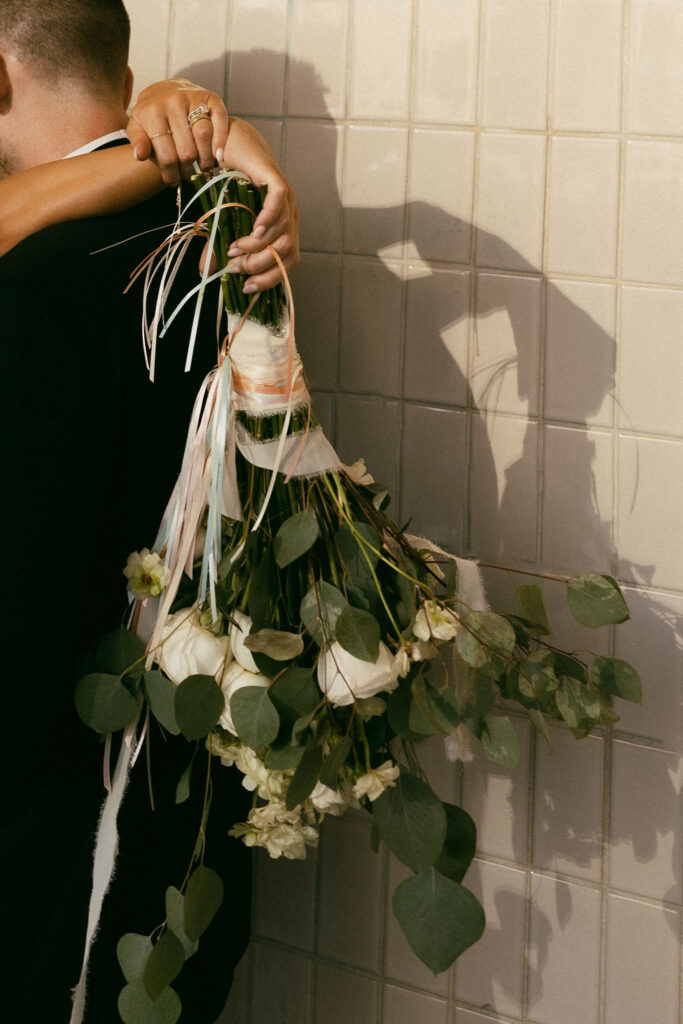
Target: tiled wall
491, 310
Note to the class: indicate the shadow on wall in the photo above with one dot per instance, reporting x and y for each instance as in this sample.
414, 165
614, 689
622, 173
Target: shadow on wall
415, 366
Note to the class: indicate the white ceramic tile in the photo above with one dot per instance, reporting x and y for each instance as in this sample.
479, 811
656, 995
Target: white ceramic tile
149, 23
370, 355
317, 292
380, 66
650, 640
272, 132
468, 1017
491, 973
655, 87
651, 361
402, 1006
343, 998
580, 352
586, 71
349, 928
568, 806
437, 324
507, 340
514, 63
315, 181
374, 187
503, 487
583, 203
645, 842
257, 41
432, 487
400, 963
564, 953
283, 900
281, 986
653, 215
577, 500
316, 77
498, 800
511, 189
650, 500
643, 963
440, 214
445, 79
194, 52
370, 428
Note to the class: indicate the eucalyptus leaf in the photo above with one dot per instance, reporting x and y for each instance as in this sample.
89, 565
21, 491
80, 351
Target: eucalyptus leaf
334, 762
160, 694
411, 821
136, 1006
596, 601
199, 703
279, 759
256, 720
494, 631
532, 608
539, 724
439, 917
306, 776
296, 536
119, 651
320, 609
399, 708
276, 643
132, 951
537, 678
182, 790
203, 897
163, 964
104, 703
295, 693
175, 916
355, 552
358, 633
500, 741
262, 588
460, 845
432, 708
618, 678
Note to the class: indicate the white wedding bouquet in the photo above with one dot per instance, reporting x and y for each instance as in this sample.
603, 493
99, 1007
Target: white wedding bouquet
287, 623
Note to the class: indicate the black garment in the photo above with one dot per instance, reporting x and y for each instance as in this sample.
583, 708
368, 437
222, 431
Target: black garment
90, 450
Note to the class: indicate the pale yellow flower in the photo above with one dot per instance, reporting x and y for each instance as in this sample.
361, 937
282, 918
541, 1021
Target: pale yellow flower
146, 573
374, 782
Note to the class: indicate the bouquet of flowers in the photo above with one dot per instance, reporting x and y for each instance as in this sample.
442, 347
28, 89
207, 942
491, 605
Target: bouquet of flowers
287, 623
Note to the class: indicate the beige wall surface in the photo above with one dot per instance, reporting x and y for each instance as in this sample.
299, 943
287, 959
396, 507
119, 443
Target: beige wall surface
490, 305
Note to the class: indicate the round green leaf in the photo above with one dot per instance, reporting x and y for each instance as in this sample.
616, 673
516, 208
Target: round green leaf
175, 916
500, 741
163, 964
276, 643
136, 1006
160, 694
118, 651
305, 777
411, 821
132, 951
320, 609
358, 633
596, 601
460, 845
494, 631
104, 703
439, 917
254, 716
203, 897
295, 537
618, 678
294, 693
199, 703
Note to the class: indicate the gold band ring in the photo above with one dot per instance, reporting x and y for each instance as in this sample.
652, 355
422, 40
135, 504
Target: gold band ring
198, 113
158, 135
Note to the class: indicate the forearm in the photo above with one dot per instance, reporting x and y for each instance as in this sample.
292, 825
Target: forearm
106, 181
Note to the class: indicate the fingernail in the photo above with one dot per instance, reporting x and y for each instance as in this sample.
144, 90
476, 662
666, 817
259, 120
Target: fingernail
235, 251
219, 156
249, 289
258, 232
135, 153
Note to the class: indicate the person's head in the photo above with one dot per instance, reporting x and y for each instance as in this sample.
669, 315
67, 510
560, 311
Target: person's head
76, 49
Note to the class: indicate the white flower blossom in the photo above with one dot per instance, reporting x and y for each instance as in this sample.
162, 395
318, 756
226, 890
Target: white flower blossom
374, 782
419, 650
239, 631
187, 649
357, 472
461, 744
328, 801
234, 678
434, 622
281, 832
146, 573
342, 678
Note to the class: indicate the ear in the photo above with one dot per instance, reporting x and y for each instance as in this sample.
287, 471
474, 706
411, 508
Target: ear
127, 87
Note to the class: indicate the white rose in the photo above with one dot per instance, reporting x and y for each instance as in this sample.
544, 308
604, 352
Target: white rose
189, 650
234, 678
374, 782
342, 678
434, 622
239, 631
328, 801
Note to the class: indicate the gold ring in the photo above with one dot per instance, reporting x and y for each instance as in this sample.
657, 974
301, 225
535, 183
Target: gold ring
198, 113
158, 135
